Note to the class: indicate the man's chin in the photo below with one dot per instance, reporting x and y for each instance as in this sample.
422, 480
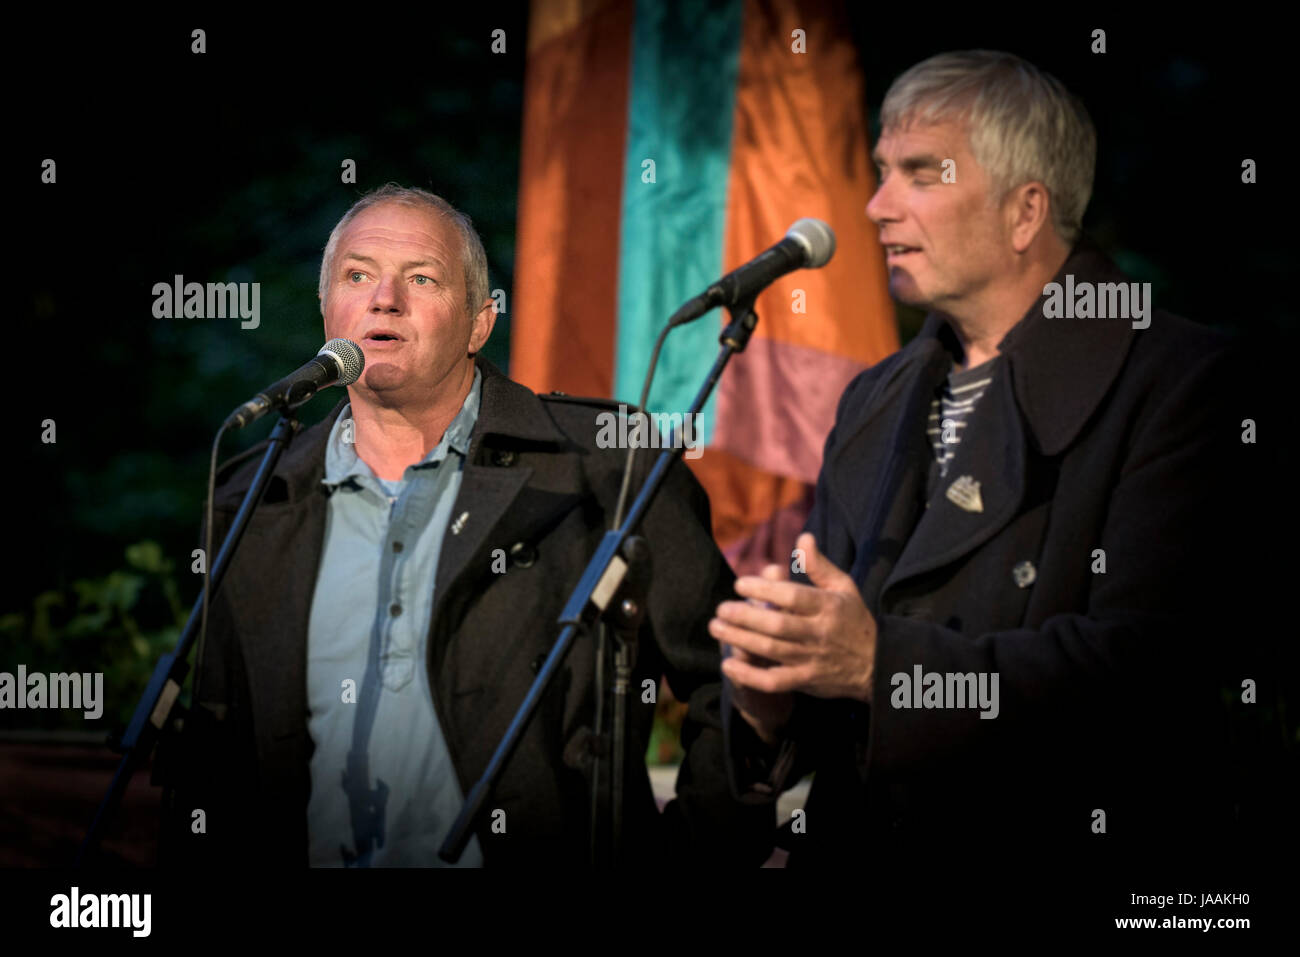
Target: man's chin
905, 292
383, 382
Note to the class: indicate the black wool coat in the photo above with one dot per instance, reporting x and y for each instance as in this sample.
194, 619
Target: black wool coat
537, 487
1095, 437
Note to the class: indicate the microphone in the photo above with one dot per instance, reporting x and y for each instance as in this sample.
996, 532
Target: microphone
339, 362
808, 244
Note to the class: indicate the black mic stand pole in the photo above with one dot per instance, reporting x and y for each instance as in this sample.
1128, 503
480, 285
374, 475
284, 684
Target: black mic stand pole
601, 592
155, 707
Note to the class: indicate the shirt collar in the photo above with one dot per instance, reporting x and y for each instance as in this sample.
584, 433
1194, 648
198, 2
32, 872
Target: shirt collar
343, 464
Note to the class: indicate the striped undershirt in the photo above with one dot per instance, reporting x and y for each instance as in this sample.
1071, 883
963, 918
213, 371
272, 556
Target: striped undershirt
950, 413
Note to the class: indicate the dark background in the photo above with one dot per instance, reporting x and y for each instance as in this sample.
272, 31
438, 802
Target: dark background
226, 167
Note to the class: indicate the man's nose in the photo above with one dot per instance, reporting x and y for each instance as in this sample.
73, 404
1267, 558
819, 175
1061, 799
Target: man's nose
881, 207
389, 296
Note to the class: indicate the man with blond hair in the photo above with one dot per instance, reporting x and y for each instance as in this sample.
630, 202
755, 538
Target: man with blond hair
996, 631
398, 589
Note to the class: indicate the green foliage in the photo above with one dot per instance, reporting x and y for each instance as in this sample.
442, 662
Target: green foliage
119, 624
665, 745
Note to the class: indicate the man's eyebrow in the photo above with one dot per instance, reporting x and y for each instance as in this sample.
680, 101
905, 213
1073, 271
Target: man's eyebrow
910, 164
413, 264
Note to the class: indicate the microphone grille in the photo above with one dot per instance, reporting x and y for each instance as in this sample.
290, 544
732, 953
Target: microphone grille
350, 358
817, 239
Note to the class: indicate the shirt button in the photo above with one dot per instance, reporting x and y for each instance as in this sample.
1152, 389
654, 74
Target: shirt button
397, 546
394, 609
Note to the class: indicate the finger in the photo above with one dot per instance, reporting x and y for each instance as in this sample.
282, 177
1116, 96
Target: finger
730, 651
771, 680
821, 571
740, 654
772, 622
756, 644
769, 573
789, 596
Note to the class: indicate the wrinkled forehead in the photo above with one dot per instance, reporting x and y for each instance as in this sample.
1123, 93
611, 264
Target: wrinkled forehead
949, 133
401, 231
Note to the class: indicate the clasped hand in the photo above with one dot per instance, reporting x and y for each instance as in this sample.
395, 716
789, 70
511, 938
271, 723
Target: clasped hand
817, 639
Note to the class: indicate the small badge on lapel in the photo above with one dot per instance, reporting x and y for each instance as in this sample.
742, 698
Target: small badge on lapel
965, 493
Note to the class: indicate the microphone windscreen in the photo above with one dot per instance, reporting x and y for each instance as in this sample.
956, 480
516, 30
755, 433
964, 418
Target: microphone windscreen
817, 239
349, 356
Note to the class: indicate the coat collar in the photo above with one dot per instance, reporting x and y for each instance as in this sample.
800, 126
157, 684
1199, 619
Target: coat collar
1054, 374
511, 410
507, 410
1060, 369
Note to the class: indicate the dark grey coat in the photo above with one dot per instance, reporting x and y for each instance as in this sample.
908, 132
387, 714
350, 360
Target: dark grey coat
1095, 435
536, 486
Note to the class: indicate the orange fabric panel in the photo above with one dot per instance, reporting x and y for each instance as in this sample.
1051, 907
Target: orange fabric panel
570, 188
741, 495
800, 148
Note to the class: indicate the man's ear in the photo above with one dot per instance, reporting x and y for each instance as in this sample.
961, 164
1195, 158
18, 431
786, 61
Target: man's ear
482, 326
1029, 212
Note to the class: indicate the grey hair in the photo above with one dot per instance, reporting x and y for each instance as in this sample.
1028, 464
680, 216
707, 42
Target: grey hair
472, 255
1024, 125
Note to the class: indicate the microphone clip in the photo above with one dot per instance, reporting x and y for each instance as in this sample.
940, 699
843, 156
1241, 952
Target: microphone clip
744, 320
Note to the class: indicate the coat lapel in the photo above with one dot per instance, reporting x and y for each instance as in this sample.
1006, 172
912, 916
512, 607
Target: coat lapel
486, 494
895, 449
1053, 374
496, 507
981, 492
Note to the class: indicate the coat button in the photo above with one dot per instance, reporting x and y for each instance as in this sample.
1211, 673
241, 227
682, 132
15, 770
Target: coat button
504, 458
523, 555
1024, 574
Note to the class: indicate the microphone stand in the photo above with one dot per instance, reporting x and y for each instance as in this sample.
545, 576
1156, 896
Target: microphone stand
612, 588
155, 707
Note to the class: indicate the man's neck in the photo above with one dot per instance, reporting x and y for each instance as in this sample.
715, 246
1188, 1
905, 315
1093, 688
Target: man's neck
980, 331
391, 437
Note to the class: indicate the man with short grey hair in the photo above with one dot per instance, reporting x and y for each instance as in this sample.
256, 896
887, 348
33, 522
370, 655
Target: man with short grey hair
398, 589
995, 635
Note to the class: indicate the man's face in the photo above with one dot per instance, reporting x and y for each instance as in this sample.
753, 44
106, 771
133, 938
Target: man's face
397, 289
956, 238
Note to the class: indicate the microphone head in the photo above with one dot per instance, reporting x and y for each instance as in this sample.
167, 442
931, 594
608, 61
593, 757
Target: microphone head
817, 239
349, 356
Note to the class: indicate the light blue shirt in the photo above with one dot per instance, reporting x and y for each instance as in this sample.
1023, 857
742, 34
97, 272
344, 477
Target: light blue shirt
383, 788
